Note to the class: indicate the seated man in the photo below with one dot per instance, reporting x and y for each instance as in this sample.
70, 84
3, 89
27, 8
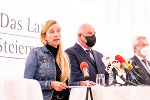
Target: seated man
142, 66
82, 52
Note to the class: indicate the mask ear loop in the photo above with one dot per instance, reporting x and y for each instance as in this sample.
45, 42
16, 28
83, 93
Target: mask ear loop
82, 40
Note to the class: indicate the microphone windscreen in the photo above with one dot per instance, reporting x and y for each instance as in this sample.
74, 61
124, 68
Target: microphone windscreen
115, 64
106, 60
82, 65
119, 58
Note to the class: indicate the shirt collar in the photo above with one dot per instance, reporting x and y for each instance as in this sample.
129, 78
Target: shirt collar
83, 47
139, 57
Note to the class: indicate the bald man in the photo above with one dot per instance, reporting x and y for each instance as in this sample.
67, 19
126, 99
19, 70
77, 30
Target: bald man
82, 52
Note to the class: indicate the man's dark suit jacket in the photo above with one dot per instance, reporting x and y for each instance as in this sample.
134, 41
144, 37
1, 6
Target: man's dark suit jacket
77, 55
140, 69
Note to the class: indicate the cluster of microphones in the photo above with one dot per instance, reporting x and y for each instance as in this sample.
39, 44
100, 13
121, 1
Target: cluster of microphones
119, 67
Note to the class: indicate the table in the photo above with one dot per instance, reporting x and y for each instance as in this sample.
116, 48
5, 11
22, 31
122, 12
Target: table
20, 89
112, 93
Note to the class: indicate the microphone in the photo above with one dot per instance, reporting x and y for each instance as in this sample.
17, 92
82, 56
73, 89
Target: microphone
113, 67
127, 70
107, 63
132, 69
110, 64
85, 71
128, 64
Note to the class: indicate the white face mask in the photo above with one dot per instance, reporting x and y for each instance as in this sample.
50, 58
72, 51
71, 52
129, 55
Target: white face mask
145, 51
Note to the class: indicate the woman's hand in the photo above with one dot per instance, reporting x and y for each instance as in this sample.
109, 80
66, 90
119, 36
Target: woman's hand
91, 83
58, 86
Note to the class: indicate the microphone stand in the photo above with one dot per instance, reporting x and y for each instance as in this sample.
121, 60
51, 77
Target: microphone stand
114, 82
87, 93
88, 90
128, 82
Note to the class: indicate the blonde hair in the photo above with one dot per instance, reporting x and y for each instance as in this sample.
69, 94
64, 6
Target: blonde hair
61, 57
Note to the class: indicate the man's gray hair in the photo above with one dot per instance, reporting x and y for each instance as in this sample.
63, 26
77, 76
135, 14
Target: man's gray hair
135, 40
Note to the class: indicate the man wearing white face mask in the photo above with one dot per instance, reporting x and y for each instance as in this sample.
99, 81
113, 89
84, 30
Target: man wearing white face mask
141, 51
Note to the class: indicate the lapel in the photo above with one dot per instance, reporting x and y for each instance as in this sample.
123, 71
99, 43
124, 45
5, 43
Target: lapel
81, 51
148, 63
95, 57
97, 62
140, 64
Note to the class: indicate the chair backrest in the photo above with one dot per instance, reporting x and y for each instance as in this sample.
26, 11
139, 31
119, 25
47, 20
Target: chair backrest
20, 89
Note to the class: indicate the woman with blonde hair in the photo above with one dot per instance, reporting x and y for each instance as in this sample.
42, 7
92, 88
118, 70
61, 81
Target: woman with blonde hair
49, 64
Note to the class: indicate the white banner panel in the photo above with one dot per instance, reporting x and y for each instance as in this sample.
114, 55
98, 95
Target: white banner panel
17, 37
